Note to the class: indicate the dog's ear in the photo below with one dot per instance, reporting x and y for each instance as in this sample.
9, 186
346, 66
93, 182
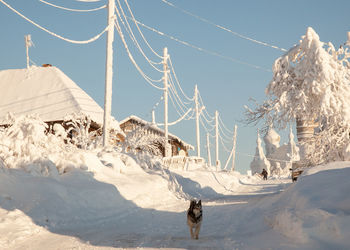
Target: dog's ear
200, 202
193, 202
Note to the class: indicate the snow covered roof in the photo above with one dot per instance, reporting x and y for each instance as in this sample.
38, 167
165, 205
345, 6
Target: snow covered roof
45, 91
154, 127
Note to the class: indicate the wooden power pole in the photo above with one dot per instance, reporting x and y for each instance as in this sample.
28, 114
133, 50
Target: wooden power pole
109, 73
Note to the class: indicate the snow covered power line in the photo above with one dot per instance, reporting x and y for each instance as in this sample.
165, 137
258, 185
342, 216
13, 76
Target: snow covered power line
75, 10
223, 28
52, 33
209, 52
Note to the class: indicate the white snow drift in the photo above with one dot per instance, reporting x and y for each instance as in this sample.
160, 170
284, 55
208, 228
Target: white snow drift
56, 196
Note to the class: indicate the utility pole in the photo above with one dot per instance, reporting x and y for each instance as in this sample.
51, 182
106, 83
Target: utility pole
197, 121
208, 150
217, 139
234, 148
165, 68
153, 117
109, 73
29, 43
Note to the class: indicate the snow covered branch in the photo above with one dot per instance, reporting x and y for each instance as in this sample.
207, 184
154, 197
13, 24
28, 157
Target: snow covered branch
79, 126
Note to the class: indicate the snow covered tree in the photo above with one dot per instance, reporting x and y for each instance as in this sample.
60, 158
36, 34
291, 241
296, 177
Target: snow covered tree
311, 83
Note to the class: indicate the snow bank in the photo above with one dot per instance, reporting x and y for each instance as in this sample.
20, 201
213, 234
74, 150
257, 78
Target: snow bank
73, 198
315, 210
28, 145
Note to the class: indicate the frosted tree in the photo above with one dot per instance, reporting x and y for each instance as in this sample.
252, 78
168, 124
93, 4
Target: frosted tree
139, 140
311, 82
259, 162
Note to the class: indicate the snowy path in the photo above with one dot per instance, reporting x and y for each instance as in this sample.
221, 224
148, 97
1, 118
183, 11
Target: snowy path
54, 197
224, 219
110, 210
146, 208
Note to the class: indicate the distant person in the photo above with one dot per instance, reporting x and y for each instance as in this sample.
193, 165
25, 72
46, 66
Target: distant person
264, 174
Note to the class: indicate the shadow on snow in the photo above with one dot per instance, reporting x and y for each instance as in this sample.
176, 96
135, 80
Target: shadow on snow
78, 205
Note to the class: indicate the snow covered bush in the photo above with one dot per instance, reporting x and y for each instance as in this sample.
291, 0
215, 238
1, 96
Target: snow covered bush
24, 136
311, 82
26, 144
139, 140
31, 145
146, 148
79, 126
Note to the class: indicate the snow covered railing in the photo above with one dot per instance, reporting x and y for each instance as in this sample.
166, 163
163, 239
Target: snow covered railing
183, 162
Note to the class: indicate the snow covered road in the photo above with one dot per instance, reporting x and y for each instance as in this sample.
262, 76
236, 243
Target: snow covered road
79, 211
150, 228
97, 207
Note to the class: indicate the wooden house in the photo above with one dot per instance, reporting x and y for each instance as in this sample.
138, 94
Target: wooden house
178, 146
49, 93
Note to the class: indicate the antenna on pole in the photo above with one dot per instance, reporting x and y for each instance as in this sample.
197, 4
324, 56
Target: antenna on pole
29, 43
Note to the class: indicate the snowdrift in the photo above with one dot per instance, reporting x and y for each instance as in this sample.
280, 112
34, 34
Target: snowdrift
314, 212
55, 195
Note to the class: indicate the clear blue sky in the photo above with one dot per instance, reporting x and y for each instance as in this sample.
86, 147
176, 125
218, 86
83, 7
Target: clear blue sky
225, 85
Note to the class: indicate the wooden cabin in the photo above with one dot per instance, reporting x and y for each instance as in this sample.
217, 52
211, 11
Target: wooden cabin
178, 146
49, 93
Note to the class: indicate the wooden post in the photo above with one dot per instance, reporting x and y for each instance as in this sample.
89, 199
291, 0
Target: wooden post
165, 68
197, 121
29, 43
234, 148
217, 140
208, 150
109, 73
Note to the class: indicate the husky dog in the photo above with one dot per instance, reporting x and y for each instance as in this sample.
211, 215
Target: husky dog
194, 218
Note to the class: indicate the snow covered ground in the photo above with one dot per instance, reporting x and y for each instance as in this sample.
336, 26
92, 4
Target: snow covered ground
54, 197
